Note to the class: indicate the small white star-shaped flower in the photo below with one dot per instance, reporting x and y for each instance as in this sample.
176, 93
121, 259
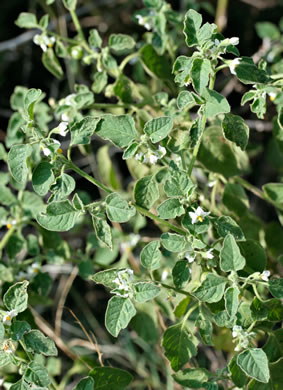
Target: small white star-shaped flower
209, 254
7, 319
237, 329
233, 65
63, 128
46, 151
265, 276
190, 256
234, 41
198, 215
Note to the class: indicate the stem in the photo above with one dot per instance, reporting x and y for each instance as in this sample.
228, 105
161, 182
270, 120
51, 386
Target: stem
127, 59
72, 166
189, 312
196, 148
143, 211
175, 289
161, 221
6, 237
256, 192
77, 25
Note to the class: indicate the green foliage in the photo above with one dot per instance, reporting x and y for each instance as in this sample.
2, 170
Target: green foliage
171, 230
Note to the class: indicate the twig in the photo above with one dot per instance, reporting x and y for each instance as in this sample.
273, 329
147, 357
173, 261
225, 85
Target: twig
62, 300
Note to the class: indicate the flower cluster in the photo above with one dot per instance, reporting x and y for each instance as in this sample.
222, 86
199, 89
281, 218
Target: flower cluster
151, 157
32, 270
241, 337
123, 281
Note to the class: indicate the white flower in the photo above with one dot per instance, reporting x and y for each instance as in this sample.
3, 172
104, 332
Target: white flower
34, 269
265, 275
139, 156
7, 319
233, 65
46, 151
272, 96
69, 100
147, 26
134, 239
140, 19
153, 159
237, 330
198, 215
209, 254
65, 117
44, 41
123, 279
62, 128
164, 274
216, 42
161, 151
237, 348
190, 256
234, 41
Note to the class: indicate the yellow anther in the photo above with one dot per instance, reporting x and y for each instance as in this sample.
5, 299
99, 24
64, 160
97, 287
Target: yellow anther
272, 98
9, 225
8, 318
60, 151
200, 218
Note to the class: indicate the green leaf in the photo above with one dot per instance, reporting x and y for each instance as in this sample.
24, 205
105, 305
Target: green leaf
94, 40
274, 191
185, 99
146, 192
150, 255
110, 378
7, 198
145, 291
205, 330
17, 161
178, 183
120, 130
173, 242
106, 167
16, 297
211, 289
192, 23
82, 131
86, 383
19, 328
99, 82
215, 103
181, 273
52, 64
170, 209
37, 374
26, 20
159, 65
36, 342
267, 30
230, 255
226, 225
276, 288
179, 345
70, 4
194, 378
5, 358
106, 277
255, 364
103, 231
235, 130
42, 178
2, 332
63, 187
200, 72
144, 325
121, 43
255, 256
232, 300
123, 89
59, 216
118, 209
237, 375
235, 198
119, 313
31, 97
158, 128
248, 73
221, 156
